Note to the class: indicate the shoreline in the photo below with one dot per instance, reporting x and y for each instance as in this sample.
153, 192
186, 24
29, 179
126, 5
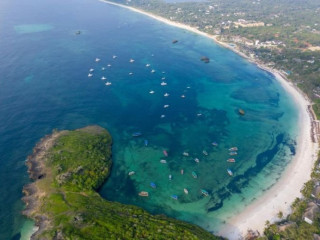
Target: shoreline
280, 196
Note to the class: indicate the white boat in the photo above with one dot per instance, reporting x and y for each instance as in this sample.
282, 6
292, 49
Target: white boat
130, 73
163, 78
183, 96
103, 78
163, 84
109, 65
114, 56
108, 83
151, 92
103, 69
199, 114
186, 191
166, 94
131, 173
166, 106
90, 75
91, 70
163, 116
188, 87
197, 160
131, 60
181, 171
153, 71
170, 177
97, 59
163, 161
185, 154
148, 65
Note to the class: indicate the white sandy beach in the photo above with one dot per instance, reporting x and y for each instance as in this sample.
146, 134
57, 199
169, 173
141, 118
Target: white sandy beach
282, 194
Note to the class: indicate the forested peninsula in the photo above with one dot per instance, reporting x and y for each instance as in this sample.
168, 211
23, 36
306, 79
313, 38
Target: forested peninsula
67, 168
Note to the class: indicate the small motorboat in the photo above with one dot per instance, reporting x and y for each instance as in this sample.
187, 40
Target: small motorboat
131, 60
151, 92
162, 116
214, 144
205, 152
181, 171
143, 194
241, 112
108, 83
153, 185
186, 154
130, 73
90, 75
166, 94
148, 65
91, 70
166, 106
103, 78
199, 114
233, 149
233, 153
229, 172
165, 153
131, 173
97, 59
163, 161
103, 69
197, 160
186, 191
170, 177
114, 56
163, 84
175, 197
153, 71
163, 78
174, 41
232, 160
183, 96
136, 134
204, 192
109, 65
194, 174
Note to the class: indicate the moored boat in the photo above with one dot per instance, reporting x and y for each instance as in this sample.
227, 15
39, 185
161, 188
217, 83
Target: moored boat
204, 192
241, 112
229, 172
163, 161
163, 84
131, 173
231, 160
131, 60
90, 75
186, 154
151, 92
205, 152
233, 153
166, 94
136, 134
186, 191
233, 149
146, 142
153, 185
214, 144
165, 153
175, 197
143, 194
181, 171
97, 59
108, 83
170, 177
197, 160
194, 174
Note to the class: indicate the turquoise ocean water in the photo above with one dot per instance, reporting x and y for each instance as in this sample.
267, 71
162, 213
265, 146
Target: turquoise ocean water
44, 84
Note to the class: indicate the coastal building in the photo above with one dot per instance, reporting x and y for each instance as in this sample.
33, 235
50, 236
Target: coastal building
247, 23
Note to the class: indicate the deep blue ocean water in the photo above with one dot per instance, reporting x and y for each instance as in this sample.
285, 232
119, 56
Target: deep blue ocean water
44, 85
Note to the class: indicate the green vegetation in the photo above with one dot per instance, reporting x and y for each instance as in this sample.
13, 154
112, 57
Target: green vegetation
70, 208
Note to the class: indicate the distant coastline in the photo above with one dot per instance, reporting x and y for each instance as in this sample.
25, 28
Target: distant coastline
280, 196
